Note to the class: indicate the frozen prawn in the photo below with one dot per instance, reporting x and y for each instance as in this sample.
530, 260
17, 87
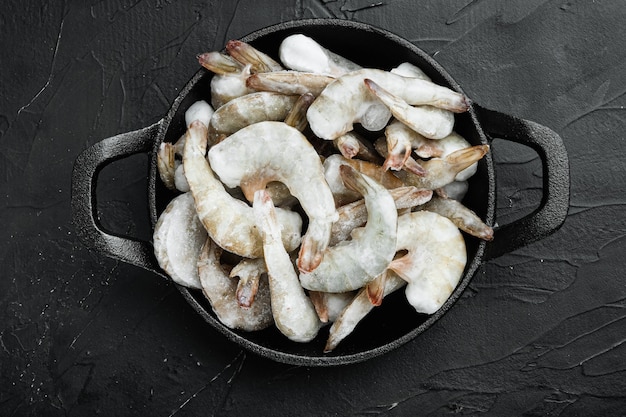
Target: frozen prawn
329, 305
348, 100
407, 69
351, 145
289, 82
354, 214
178, 237
344, 195
434, 261
294, 313
443, 171
273, 151
297, 115
463, 217
401, 140
302, 53
220, 290
249, 109
358, 308
249, 55
229, 79
228, 221
352, 264
432, 122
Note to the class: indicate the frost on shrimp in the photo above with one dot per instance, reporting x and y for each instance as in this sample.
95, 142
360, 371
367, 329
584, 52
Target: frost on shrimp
347, 100
435, 260
273, 151
220, 290
293, 312
352, 264
229, 79
300, 52
228, 220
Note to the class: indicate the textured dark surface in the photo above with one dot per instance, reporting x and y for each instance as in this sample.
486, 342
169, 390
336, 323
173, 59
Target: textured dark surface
539, 331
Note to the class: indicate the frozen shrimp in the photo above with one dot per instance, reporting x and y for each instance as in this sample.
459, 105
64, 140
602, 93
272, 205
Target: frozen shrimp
249, 272
329, 305
434, 261
358, 308
442, 171
300, 52
297, 115
289, 82
401, 140
432, 122
249, 55
273, 151
455, 190
229, 79
463, 217
249, 109
166, 164
351, 145
348, 100
354, 214
352, 264
294, 313
229, 221
220, 290
344, 195
178, 237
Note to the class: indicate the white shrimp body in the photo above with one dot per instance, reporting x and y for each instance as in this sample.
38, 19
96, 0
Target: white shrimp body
348, 100
294, 313
249, 109
229, 221
407, 69
273, 151
220, 290
229, 79
352, 264
300, 52
178, 237
435, 260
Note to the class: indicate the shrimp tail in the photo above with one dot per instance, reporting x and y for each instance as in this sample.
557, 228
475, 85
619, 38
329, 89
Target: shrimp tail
376, 289
463, 158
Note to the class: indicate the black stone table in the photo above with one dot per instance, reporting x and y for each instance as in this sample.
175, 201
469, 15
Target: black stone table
539, 331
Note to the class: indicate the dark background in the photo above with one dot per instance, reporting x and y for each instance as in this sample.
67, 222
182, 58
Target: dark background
540, 331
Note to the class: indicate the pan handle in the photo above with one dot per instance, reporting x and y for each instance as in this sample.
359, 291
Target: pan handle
84, 209
552, 210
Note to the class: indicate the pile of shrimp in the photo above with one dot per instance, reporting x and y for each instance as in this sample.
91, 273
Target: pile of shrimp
286, 216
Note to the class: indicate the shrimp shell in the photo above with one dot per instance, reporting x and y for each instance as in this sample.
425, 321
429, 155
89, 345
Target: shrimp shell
350, 265
228, 221
249, 109
435, 260
464, 218
289, 82
249, 55
220, 290
273, 151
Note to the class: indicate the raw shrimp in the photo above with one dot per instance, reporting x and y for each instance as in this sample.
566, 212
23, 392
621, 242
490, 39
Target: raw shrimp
442, 171
344, 195
401, 140
347, 100
354, 214
229, 81
249, 55
350, 265
273, 151
464, 218
220, 289
294, 313
300, 52
297, 115
178, 237
352, 145
329, 305
228, 221
432, 122
249, 272
249, 109
166, 164
289, 82
434, 262
357, 310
